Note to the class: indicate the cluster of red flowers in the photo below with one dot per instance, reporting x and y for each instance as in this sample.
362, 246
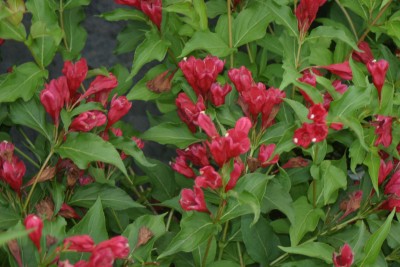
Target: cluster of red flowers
12, 169
152, 8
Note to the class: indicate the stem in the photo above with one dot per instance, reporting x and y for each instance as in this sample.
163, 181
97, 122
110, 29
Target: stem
169, 220
204, 261
240, 255
117, 220
314, 191
138, 194
228, 6
300, 41
26, 157
348, 18
223, 244
62, 25
374, 22
249, 53
37, 178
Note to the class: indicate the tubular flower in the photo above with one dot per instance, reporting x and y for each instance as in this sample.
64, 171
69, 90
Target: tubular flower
205, 123
101, 84
265, 154
365, 56
188, 111
383, 129
378, 71
310, 133
119, 246
87, 121
317, 113
201, 74
12, 173
342, 70
238, 168
75, 73
345, 258
34, 222
196, 153
153, 9
54, 96
120, 106
384, 170
306, 12
209, 178
218, 93
180, 166
81, 243
193, 200
241, 78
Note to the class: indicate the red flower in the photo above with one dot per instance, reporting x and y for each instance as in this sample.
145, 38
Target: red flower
196, 153
209, 178
255, 98
393, 186
308, 78
102, 257
81, 243
205, 123
378, 71
265, 154
54, 96
307, 133
139, 142
12, 173
75, 73
187, 111
180, 166
241, 78
340, 87
351, 205
319, 132
87, 121
219, 148
336, 126
365, 56
2, 41
238, 168
153, 9
342, 70
317, 113
193, 200
134, 3
101, 84
239, 141
384, 170
271, 106
306, 12
296, 163
383, 129
67, 211
201, 74
120, 106
345, 258
119, 246
217, 93
34, 222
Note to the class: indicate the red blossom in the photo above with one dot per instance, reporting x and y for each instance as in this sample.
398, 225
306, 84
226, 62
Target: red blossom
351, 205
336, 126
208, 178
340, 87
238, 168
205, 123
343, 70
383, 129
308, 78
139, 142
220, 150
365, 55
134, 3
75, 73
393, 186
254, 97
317, 113
12, 173
119, 246
188, 111
310, 133
102, 257
378, 70
241, 78
265, 154
36, 224
193, 200
218, 93
180, 166
81, 243
271, 107
196, 153
153, 9
238, 139
54, 96
120, 106
306, 12
384, 170
101, 84
345, 258
296, 163
201, 74
87, 121
67, 211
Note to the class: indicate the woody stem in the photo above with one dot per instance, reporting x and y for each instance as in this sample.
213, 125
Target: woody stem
228, 6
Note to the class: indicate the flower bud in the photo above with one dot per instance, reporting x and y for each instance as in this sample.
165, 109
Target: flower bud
75, 73
12, 173
209, 178
218, 93
345, 258
193, 200
378, 71
120, 106
343, 70
365, 55
87, 121
34, 222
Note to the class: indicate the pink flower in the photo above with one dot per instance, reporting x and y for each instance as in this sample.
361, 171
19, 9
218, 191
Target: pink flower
239, 141
188, 111
139, 142
241, 78
342, 70
34, 222
87, 121
180, 166
265, 154
201, 74
196, 153
12, 173
306, 12
193, 200
383, 129
317, 113
384, 170
54, 96
340, 87
378, 71
120, 106
81, 243
102, 256
238, 168
75, 73
255, 99
393, 186
271, 106
337, 126
307, 133
205, 123
119, 246
296, 163
209, 178
308, 78
218, 93
134, 3
345, 258
219, 148
351, 205
101, 84
365, 56
153, 9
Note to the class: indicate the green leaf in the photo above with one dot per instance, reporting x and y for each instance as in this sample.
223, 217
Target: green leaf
5, 237
195, 229
359, 78
355, 125
208, 41
152, 48
274, 133
259, 239
373, 161
171, 134
333, 179
8, 218
373, 246
124, 14
111, 197
201, 10
298, 108
277, 198
199, 253
130, 148
83, 148
130, 37
284, 16
311, 91
93, 224
357, 154
10, 31
76, 3
306, 220
312, 249
223, 263
345, 106
331, 33
250, 24
32, 115
23, 82
140, 90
